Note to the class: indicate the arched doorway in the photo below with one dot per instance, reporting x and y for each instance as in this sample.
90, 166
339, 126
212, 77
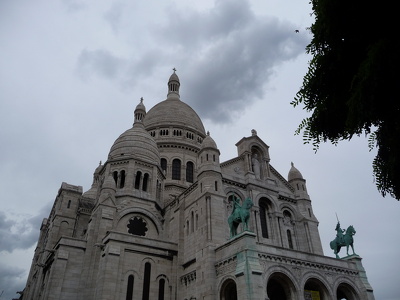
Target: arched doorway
315, 288
280, 287
346, 292
228, 290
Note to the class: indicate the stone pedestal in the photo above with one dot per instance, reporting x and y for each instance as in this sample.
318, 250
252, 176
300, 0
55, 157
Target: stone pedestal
363, 275
248, 269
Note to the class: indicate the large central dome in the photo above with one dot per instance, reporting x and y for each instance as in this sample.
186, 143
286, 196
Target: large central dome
173, 112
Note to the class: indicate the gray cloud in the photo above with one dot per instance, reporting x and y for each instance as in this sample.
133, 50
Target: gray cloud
73, 5
20, 233
230, 51
12, 279
192, 28
100, 62
233, 55
113, 15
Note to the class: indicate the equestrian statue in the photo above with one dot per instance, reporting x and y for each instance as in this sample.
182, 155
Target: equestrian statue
344, 237
240, 214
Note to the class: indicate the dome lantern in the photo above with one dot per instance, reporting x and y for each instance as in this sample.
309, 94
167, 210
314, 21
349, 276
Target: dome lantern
140, 112
173, 86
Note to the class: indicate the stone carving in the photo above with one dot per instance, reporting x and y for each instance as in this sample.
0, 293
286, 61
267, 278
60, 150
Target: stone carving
342, 240
240, 214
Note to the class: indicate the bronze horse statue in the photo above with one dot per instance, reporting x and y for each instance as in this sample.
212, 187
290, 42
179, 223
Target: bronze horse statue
240, 214
342, 240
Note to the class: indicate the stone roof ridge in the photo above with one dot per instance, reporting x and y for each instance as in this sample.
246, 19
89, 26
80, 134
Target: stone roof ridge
281, 178
232, 161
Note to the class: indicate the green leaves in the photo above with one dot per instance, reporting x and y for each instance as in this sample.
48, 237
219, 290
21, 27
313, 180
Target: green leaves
350, 85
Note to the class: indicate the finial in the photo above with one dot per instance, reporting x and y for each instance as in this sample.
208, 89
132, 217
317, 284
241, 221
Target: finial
208, 133
141, 99
253, 132
174, 70
100, 163
292, 164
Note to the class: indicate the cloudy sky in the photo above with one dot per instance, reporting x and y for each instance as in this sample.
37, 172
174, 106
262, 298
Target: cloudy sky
73, 71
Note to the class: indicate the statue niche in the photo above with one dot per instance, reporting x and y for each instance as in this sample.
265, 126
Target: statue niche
256, 166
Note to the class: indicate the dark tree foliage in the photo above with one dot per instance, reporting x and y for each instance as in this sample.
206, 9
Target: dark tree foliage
351, 86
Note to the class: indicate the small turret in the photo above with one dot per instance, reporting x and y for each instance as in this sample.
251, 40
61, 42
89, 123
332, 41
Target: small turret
209, 155
297, 181
209, 177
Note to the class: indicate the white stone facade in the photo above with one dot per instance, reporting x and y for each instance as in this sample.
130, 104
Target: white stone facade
154, 223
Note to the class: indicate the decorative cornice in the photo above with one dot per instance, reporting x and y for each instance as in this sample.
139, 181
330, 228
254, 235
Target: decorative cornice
306, 264
119, 162
280, 197
188, 278
179, 146
190, 189
234, 183
226, 266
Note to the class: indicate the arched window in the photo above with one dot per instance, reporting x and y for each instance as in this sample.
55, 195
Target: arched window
289, 237
264, 210
115, 176
161, 287
137, 179
122, 182
176, 169
158, 191
129, 289
69, 204
216, 185
145, 182
192, 221
146, 281
189, 171
164, 164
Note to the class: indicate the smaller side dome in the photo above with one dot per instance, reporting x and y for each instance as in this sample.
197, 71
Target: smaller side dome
92, 192
209, 142
135, 142
98, 169
294, 173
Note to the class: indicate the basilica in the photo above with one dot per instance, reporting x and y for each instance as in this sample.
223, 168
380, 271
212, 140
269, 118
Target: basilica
166, 219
